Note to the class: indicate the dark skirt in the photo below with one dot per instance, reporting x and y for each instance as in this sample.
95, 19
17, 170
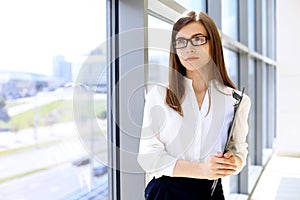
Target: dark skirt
180, 188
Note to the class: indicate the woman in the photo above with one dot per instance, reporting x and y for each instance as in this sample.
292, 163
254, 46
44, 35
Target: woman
185, 126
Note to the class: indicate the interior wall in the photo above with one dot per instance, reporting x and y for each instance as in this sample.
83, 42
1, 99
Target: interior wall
288, 84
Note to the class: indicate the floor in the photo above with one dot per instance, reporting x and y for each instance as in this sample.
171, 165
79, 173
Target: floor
280, 180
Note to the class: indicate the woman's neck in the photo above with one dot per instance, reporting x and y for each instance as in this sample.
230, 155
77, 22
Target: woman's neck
199, 83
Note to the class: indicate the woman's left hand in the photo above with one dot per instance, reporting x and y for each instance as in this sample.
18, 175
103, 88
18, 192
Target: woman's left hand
227, 163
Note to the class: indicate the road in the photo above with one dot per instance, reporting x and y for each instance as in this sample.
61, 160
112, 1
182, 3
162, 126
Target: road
46, 171
39, 158
55, 184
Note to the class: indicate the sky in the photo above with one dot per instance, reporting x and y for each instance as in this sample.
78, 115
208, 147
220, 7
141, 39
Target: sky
33, 31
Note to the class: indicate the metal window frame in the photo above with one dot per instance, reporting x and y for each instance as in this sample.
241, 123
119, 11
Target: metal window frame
243, 79
259, 90
112, 60
125, 16
161, 11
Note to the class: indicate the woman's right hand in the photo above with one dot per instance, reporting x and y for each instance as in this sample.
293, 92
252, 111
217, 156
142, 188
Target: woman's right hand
218, 166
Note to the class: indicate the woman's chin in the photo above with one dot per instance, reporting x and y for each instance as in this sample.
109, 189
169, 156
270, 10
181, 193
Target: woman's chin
195, 68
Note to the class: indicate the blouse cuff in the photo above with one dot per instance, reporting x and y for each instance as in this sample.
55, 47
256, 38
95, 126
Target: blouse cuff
243, 164
168, 171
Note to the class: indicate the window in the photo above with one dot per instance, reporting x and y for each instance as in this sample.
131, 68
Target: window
271, 114
158, 67
230, 18
251, 20
193, 5
265, 103
231, 62
45, 49
252, 95
271, 19
272, 106
264, 28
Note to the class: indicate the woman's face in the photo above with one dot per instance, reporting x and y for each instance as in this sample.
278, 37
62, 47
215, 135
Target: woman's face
193, 57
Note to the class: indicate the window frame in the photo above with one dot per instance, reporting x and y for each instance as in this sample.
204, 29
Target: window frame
123, 17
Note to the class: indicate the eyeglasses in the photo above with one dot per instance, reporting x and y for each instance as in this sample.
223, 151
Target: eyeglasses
195, 41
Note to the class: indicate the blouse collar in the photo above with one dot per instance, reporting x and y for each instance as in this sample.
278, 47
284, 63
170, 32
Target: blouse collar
188, 80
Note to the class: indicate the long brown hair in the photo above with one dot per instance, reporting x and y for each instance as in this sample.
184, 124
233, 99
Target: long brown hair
176, 91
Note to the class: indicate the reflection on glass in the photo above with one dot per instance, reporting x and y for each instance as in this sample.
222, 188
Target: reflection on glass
252, 90
251, 20
43, 50
230, 18
193, 5
231, 62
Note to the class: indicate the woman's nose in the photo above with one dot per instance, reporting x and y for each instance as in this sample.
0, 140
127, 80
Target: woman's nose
190, 48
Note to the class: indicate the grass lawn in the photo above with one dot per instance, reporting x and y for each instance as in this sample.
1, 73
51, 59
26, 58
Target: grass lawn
49, 114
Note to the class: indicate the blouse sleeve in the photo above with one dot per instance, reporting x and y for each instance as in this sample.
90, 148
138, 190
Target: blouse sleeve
152, 156
238, 144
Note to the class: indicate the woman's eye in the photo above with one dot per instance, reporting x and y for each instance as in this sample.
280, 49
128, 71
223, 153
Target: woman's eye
180, 41
198, 38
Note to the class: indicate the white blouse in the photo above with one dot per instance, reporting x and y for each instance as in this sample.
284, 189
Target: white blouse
166, 136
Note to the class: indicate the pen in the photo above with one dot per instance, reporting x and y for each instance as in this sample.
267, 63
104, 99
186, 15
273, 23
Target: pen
213, 187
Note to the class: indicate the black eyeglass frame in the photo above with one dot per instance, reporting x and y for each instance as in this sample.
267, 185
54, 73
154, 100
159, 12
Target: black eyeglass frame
190, 40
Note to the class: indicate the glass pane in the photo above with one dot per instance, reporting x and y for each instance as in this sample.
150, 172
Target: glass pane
264, 27
45, 48
265, 103
272, 31
273, 116
159, 48
252, 122
252, 29
230, 18
231, 62
193, 5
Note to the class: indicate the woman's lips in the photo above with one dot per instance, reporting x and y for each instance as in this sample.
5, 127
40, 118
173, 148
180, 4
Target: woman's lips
191, 58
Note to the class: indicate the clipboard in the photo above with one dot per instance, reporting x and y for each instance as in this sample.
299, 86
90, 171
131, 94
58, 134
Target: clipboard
238, 99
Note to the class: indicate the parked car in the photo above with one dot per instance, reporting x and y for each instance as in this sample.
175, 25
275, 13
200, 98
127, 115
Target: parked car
100, 170
81, 161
